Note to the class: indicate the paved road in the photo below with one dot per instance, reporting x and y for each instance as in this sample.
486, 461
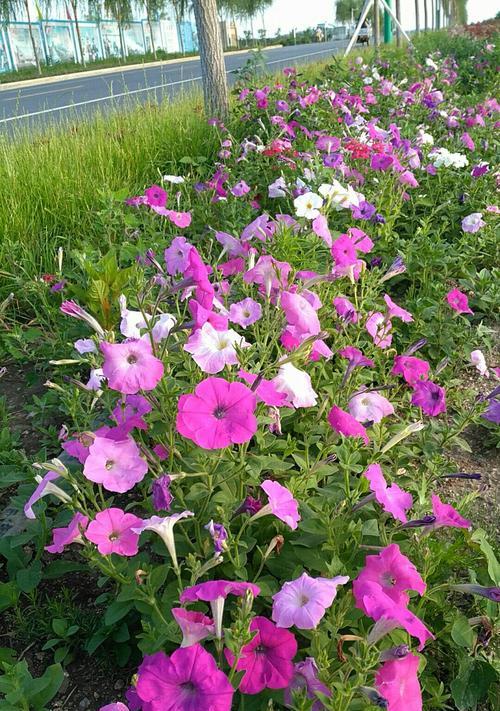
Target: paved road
34, 107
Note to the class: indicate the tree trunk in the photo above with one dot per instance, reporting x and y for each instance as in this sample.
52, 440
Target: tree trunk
122, 41
179, 32
398, 15
150, 25
376, 25
433, 16
426, 16
212, 59
32, 37
74, 4
417, 16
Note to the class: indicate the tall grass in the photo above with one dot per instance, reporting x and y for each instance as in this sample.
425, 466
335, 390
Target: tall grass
54, 184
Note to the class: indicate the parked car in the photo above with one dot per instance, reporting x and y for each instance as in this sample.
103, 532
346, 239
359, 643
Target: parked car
364, 36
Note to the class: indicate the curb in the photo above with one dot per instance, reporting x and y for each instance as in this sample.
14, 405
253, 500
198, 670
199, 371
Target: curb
112, 70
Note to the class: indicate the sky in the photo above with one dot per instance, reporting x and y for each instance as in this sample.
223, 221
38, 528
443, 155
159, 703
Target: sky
287, 14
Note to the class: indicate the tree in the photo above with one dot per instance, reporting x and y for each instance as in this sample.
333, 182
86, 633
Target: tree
426, 16
152, 8
417, 16
74, 7
121, 11
213, 70
9, 10
181, 8
348, 10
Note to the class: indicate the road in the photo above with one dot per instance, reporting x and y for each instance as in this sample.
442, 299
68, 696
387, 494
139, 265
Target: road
36, 106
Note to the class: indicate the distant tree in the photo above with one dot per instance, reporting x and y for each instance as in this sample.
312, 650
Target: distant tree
213, 70
347, 10
121, 12
9, 10
152, 8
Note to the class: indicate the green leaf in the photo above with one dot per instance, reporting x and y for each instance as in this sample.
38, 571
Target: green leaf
472, 683
44, 689
479, 537
116, 611
7, 655
29, 578
462, 633
9, 595
60, 626
58, 568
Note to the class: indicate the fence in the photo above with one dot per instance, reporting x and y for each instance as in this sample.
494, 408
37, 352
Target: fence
56, 41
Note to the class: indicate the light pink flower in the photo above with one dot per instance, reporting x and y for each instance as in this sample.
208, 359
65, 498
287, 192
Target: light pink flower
195, 626
392, 498
303, 602
345, 424
458, 302
71, 533
395, 311
177, 256
296, 384
345, 309
111, 531
117, 465
131, 366
217, 414
477, 358
245, 312
281, 504
269, 274
212, 349
370, 407
320, 227
379, 329
397, 682
301, 316
473, 223
44, 488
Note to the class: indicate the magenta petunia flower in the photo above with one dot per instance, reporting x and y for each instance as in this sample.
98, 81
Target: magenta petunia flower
195, 626
118, 466
212, 350
344, 252
71, 533
345, 309
305, 676
215, 592
347, 425
245, 312
112, 532
187, 680
355, 357
379, 328
303, 602
267, 659
446, 515
44, 488
458, 302
430, 397
397, 682
395, 311
281, 504
392, 498
118, 706
411, 368
269, 274
266, 390
131, 366
391, 570
177, 256
164, 527
155, 196
217, 414
370, 407
198, 273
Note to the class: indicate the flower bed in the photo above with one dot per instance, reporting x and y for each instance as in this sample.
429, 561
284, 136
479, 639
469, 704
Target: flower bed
262, 405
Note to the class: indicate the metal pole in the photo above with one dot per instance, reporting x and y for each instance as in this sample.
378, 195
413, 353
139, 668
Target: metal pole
387, 26
376, 25
362, 18
398, 15
386, 5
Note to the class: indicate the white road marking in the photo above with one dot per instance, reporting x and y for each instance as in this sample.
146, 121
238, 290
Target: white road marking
139, 91
20, 97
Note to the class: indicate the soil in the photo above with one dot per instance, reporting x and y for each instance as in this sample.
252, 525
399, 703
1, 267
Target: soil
18, 386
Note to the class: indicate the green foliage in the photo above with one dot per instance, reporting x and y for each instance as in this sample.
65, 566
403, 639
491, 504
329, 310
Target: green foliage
22, 692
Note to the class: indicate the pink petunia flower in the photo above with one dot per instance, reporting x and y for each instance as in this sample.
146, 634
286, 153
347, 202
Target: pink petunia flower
281, 504
301, 316
179, 219
131, 366
72, 533
305, 676
164, 527
397, 682
379, 329
71, 308
155, 196
201, 316
446, 515
269, 274
303, 602
345, 309
393, 571
129, 411
411, 368
370, 407
198, 272
343, 252
320, 228
296, 384
212, 350
217, 414
195, 626
112, 532
177, 256
392, 498
266, 390
430, 397
118, 706
347, 425
186, 680
458, 302
215, 592
395, 311
245, 312
117, 465
355, 357
267, 659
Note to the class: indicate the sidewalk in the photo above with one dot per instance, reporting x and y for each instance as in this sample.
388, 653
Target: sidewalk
113, 70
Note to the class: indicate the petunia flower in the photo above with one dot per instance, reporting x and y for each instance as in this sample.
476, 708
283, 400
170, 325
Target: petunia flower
411, 368
162, 496
164, 527
195, 626
430, 397
320, 228
266, 390
395, 311
212, 350
72, 533
201, 316
477, 358
305, 676
345, 309
44, 488
473, 222
155, 196
245, 313
446, 515
347, 425
177, 256
308, 205
217, 414
215, 592
281, 504
197, 272
379, 328
392, 498
370, 407
112, 532
269, 274
490, 593
267, 659
188, 679
296, 384
355, 357
131, 366
71, 308
118, 706
397, 682
458, 302
301, 316
303, 602
85, 345
117, 465
219, 536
